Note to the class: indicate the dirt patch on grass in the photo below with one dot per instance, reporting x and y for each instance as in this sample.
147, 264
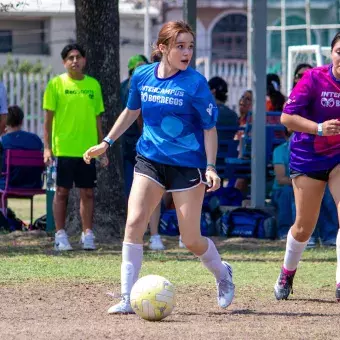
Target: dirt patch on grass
71, 311
78, 311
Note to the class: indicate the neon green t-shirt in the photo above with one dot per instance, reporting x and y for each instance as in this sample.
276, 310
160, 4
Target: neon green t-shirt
76, 105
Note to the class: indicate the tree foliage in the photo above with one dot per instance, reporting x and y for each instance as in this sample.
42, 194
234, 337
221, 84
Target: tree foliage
5, 7
24, 66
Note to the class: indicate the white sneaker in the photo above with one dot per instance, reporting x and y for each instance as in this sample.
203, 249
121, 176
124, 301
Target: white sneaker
87, 239
226, 288
61, 242
123, 307
156, 243
180, 243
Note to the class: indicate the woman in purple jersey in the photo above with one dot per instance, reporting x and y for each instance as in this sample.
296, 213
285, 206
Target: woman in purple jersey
170, 92
313, 112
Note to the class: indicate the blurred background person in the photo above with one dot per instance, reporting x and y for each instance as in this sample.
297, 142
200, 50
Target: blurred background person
17, 139
275, 99
299, 71
3, 107
219, 89
129, 142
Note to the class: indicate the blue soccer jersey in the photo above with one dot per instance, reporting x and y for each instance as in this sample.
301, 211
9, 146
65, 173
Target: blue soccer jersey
175, 111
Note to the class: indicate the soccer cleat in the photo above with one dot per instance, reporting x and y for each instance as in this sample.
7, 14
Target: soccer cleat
156, 243
226, 288
180, 243
87, 240
337, 292
284, 285
61, 242
123, 307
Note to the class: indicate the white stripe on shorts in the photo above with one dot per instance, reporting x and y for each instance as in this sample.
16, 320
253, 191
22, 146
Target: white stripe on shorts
195, 186
152, 179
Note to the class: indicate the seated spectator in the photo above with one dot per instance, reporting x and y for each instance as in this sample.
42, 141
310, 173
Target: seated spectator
245, 105
219, 89
275, 99
283, 200
15, 139
3, 107
299, 71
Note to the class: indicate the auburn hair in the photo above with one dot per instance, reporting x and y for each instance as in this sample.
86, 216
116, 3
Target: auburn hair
168, 35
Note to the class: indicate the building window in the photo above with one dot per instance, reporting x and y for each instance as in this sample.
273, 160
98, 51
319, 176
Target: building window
293, 37
5, 41
229, 38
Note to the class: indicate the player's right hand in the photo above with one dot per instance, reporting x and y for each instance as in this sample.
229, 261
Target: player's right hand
95, 151
331, 127
48, 157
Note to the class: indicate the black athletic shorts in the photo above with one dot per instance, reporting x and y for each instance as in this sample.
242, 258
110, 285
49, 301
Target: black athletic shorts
171, 178
322, 175
74, 170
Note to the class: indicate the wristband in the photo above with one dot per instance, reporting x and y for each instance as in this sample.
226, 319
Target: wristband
108, 140
211, 166
319, 133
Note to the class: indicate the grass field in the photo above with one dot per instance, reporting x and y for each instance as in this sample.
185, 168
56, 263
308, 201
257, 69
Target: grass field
40, 289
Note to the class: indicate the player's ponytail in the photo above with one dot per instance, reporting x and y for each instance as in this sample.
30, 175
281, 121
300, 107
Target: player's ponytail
156, 54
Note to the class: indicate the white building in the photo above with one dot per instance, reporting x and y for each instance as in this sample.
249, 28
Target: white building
38, 30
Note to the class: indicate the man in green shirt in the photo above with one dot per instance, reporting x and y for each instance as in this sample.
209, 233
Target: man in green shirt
73, 103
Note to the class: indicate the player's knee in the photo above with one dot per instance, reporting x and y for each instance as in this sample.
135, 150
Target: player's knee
191, 243
61, 194
86, 194
303, 229
136, 221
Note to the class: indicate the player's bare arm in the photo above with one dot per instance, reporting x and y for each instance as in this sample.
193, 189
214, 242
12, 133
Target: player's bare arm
301, 124
211, 143
47, 136
124, 121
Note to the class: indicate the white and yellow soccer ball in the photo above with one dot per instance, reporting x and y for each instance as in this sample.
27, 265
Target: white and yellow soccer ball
153, 297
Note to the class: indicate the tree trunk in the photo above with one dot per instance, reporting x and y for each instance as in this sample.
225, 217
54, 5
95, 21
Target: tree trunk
98, 32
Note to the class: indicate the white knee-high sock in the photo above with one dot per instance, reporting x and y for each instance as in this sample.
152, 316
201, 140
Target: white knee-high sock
132, 256
338, 258
211, 259
294, 250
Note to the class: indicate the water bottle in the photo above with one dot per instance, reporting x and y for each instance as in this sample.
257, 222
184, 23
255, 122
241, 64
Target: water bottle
51, 176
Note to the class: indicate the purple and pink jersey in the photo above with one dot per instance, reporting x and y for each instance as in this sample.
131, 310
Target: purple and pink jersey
317, 98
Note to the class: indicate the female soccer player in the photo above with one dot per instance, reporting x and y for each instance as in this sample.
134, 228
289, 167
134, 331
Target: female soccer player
176, 153
313, 112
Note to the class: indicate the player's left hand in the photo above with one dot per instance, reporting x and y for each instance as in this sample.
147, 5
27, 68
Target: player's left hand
103, 160
94, 151
213, 180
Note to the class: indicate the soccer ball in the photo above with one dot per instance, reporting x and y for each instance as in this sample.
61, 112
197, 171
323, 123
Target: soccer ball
153, 297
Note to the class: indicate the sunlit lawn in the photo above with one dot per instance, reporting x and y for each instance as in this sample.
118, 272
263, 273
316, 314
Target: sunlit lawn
256, 263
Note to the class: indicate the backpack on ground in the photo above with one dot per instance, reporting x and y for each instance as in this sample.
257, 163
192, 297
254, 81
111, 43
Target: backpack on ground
247, 222
40, 223
168, 224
